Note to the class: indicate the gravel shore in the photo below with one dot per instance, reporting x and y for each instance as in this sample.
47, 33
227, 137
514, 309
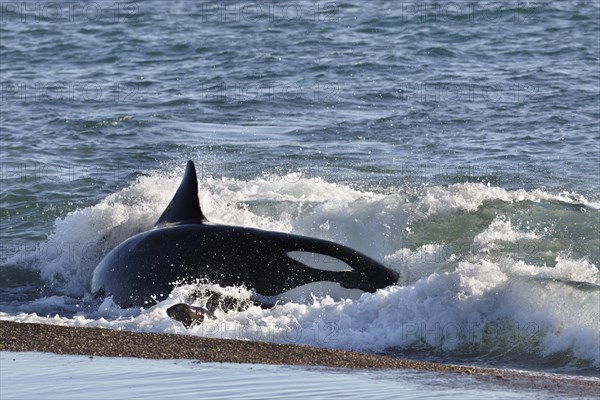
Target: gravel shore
112, 343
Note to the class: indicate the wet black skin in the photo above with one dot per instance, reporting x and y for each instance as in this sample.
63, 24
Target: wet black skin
144, 268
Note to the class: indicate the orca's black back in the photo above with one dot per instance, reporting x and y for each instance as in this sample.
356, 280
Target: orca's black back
147, 266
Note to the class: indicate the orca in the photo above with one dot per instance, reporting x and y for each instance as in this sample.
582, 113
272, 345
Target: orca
185, 247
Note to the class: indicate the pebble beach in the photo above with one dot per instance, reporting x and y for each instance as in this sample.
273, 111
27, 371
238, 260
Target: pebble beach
93, 342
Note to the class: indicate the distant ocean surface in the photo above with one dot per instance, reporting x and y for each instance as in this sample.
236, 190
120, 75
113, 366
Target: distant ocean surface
458, 143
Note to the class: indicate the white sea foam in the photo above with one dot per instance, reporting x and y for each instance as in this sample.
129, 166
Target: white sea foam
470, 196
501, 230
444, 301
504, 306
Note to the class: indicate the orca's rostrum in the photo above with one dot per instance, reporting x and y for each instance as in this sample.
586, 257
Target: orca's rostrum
185, 247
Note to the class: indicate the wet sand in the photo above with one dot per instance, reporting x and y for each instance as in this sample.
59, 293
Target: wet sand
112, 343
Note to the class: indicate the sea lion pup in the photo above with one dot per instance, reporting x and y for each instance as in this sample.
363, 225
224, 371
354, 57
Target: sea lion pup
194, 315
188, 315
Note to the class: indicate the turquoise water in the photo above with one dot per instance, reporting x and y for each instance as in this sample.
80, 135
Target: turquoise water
458, 144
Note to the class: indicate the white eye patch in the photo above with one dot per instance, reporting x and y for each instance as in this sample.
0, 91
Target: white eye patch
319, 261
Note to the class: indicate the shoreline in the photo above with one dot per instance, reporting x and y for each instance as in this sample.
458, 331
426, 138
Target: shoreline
33, 337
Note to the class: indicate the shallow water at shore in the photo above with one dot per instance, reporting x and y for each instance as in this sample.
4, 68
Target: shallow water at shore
45, 376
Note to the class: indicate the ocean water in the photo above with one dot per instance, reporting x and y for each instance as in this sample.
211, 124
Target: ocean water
458, 143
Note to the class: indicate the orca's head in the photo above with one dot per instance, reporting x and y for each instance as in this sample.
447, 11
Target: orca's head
369, 279
349, 268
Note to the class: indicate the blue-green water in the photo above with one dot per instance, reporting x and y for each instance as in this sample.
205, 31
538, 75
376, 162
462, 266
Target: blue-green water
458, 143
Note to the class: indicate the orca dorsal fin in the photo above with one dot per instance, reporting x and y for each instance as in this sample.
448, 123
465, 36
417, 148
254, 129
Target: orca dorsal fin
185, 205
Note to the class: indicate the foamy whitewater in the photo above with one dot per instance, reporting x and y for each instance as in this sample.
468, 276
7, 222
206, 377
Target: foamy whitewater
486, 274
